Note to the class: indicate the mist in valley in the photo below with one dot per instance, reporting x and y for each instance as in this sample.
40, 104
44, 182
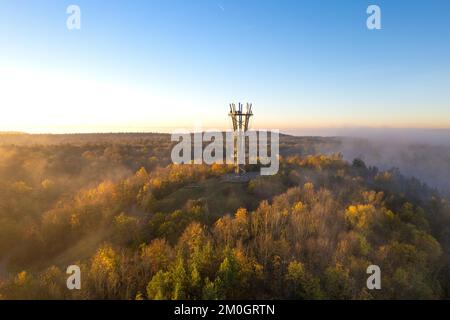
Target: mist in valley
420, 153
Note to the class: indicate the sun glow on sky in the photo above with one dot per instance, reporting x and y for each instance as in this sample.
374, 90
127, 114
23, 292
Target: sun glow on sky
38, 101
34, 101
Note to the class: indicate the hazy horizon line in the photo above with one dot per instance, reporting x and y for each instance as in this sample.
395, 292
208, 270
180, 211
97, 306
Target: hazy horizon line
170, 129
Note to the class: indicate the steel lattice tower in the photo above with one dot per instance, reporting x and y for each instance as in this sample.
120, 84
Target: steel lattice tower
240, 121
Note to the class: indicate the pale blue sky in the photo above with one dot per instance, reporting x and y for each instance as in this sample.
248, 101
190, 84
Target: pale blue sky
138, 65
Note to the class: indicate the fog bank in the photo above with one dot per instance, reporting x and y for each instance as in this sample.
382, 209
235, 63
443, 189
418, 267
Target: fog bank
422, 153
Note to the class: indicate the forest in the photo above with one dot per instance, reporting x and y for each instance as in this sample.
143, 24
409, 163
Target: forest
141, 227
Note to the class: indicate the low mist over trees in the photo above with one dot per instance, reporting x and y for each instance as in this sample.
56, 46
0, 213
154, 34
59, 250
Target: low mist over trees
140, 227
